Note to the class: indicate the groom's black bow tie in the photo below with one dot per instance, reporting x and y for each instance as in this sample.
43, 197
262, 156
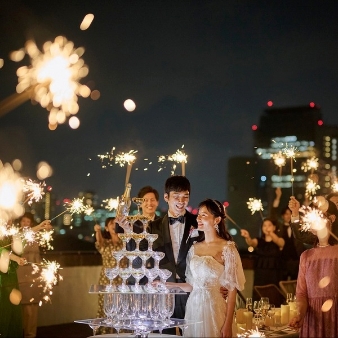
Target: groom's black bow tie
173, 220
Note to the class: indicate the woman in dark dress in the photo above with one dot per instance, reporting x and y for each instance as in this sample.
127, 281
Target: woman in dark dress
268, 250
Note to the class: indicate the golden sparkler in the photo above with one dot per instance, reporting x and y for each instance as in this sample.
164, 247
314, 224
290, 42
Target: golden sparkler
312, 218
291, 152
54, 76
279, 160
310, 165
179, 157
311, 188
128, 158
112, 203
334, 186
34, 191
254, 205
74, 207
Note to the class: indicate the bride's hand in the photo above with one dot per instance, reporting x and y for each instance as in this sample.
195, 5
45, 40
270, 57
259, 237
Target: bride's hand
226, 332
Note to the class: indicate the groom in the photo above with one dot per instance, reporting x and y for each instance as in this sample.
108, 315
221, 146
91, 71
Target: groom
175, 234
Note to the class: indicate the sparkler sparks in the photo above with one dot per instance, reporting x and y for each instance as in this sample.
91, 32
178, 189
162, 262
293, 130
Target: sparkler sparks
54, 76
179, 157
76, 206
334, 187
279, 160
112, 203
311, 188
34, 191
310, 165
313, 219
291, 152
254, 205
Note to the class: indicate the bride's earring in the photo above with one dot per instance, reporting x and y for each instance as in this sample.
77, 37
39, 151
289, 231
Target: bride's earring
216, 227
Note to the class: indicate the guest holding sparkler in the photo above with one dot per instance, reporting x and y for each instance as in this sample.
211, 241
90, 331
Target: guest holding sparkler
317, 286
292, 248
31, 292
107, 241
268, 250
326, 205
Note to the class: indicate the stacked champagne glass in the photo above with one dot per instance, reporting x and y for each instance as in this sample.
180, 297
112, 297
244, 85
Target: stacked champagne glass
140, 308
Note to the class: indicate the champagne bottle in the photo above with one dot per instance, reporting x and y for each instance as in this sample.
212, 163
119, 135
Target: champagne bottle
124, 202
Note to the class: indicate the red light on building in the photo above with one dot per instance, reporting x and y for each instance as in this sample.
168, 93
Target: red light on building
194, 211
269, 103
49, 188
226, 204
254, 127
320, 122
312, 104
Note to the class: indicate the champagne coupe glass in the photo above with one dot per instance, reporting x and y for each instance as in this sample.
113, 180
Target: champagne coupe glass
151, 274
131, 255
138, 201
124, 274
137, 274
151, 238
164, 275
95, 324
125, 238
118, 255
111, 273
144, 255
138, 238
158, 255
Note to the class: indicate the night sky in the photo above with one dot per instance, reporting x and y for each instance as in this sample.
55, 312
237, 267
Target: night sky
200, 73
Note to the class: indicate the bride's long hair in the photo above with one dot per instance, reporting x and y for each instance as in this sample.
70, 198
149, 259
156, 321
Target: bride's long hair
217, 210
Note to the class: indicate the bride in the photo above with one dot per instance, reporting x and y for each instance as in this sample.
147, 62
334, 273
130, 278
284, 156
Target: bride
212, 264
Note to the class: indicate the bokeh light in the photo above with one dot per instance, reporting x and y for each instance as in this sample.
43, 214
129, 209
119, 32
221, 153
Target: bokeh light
129, 105
86, 22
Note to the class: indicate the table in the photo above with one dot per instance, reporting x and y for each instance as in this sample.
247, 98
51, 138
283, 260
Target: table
127, 335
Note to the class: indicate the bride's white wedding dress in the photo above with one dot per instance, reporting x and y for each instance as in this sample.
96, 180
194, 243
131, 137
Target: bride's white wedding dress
205, 302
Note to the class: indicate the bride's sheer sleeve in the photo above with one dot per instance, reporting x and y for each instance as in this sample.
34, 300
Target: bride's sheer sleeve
188, 274
233, 274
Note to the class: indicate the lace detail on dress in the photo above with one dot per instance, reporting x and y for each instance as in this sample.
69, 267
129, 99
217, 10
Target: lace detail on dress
233, 274
188, 273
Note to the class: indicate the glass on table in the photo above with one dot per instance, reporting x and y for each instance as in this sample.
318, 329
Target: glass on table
108, 303
95, 324
248, 304
289, 297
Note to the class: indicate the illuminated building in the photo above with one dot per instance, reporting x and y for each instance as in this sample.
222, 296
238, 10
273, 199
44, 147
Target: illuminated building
279, 129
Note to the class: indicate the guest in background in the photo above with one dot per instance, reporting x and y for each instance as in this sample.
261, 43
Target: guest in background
293, 248
326, 205
268, 249
317, 288
107, 241
11, 322
31, 292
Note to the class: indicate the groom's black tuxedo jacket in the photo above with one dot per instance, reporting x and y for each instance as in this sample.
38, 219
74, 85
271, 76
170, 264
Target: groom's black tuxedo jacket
163, 243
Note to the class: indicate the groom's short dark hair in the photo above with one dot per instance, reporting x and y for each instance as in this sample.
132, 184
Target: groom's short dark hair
176, 183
